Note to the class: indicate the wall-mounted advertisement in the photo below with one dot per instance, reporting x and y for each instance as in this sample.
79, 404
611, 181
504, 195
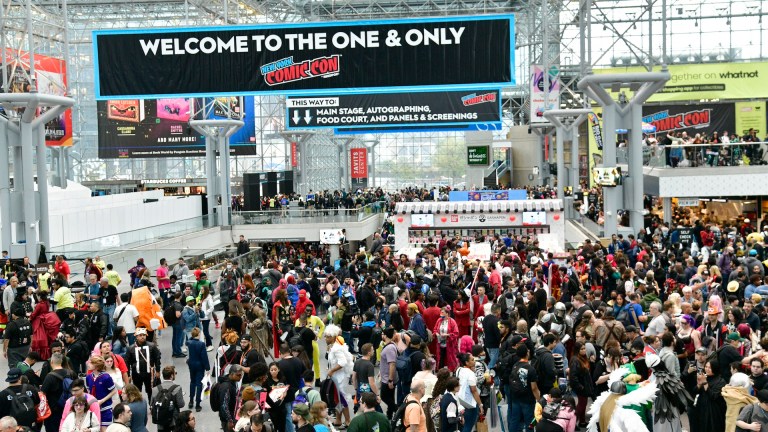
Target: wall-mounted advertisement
606, 176
534, 218
422, 220
307, 58
332, 236
51, 76
751, 115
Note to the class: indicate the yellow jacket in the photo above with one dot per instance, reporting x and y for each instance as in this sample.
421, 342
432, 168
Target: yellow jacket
736, 398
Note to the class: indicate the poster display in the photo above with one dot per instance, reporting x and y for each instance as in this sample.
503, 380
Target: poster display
694, 82
307, 58
540, 100
394, 109
750, 115
693, 119
51, 78
478, 155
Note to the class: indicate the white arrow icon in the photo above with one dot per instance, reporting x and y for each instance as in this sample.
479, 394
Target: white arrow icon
307, 117
296, 117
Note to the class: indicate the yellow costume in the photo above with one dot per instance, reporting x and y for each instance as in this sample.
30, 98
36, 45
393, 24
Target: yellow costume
316, 325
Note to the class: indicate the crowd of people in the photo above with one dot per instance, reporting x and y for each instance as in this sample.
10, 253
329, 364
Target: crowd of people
644, 331
716, 149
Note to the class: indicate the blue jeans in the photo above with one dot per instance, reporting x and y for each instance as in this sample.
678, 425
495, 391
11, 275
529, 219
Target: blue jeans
289, 426
196, 385
470, 419
178, 338
348, 339
519, 415
208, 339
493, 354
109, 311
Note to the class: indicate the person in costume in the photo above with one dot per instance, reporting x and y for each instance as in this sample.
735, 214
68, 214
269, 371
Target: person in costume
611, 412
709, 402
672, 399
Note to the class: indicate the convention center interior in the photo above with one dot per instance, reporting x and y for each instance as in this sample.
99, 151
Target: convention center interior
384, 216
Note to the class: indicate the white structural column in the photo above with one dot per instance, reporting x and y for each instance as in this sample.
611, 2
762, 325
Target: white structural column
24, 132
217, 133
623, 113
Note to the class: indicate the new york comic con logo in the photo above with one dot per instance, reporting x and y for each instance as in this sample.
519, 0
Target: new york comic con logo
665, 122
285, 70
474, 98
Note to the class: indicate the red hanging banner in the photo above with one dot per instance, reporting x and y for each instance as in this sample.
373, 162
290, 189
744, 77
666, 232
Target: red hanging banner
358, 160
294, 155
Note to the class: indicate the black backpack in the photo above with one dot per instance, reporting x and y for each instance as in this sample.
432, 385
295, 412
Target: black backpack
516, 385
22, 406
169, 315
164, 409
398, 421
216, 397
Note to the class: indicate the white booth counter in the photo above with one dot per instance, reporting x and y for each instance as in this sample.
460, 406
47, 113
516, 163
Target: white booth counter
416, 222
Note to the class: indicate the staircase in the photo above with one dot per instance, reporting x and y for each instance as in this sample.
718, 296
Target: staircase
494, 172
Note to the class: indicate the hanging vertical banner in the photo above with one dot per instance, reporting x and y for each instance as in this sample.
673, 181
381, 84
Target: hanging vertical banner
358, 164
540, 101
294, 155
594, 124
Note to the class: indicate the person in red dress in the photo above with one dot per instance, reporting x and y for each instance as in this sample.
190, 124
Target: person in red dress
461, 313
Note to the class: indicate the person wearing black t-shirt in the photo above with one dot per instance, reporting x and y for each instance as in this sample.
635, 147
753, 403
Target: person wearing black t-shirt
249, 358
363, 373
292, 369
524, 391
53, 386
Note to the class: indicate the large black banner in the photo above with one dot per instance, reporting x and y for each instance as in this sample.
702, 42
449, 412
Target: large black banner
394, 109
693, 119
310, 58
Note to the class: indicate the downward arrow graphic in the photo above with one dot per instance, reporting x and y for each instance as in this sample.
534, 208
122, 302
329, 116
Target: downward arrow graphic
296, 117
307, 117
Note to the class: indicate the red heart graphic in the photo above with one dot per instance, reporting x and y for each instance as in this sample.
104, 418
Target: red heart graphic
556, 217
400, 219
512, 218
443, 219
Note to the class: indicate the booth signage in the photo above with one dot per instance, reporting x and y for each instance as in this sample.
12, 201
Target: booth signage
308, 58
688, 202
686, 236
394, 109
490, 220
478, 155
693, 119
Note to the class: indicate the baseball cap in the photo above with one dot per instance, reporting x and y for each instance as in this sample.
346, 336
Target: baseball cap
14, 374
630, 329
752, 252
734, 336
701, 350
516, 339
302, 410
245, 337
190, 299
733, 286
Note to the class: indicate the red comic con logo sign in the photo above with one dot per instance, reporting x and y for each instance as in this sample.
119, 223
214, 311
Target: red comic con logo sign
454, 218
286, 71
